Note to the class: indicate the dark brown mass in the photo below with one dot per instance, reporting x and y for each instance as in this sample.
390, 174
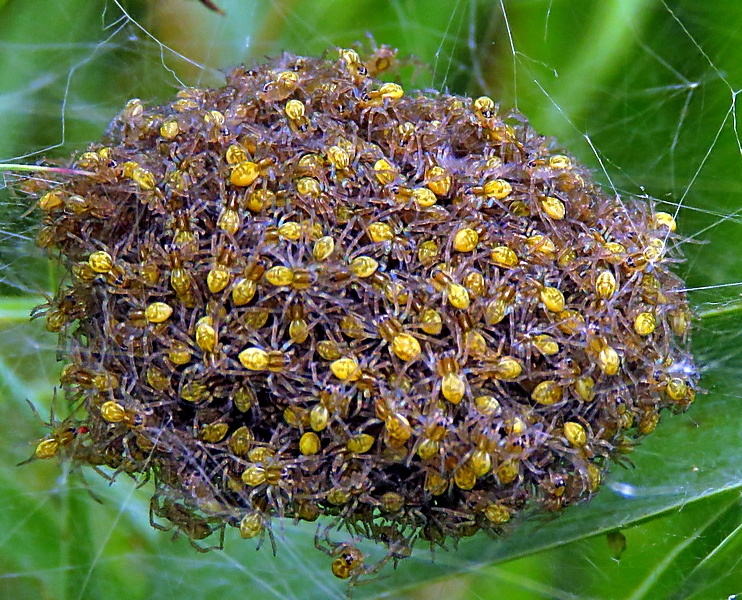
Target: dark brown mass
309, 293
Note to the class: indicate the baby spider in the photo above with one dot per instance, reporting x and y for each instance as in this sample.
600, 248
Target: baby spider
183, 519
348, 561
62, 434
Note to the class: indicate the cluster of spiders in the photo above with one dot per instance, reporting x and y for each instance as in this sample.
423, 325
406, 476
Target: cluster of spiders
310, 293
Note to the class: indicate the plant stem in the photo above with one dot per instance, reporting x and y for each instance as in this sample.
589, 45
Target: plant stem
42, 169
17, 309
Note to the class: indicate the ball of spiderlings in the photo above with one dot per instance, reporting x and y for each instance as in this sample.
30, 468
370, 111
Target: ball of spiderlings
311, 293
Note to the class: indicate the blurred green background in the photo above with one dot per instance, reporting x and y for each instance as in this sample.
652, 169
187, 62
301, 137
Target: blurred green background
642, 91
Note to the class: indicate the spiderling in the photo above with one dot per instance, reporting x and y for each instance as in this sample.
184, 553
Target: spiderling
310, 293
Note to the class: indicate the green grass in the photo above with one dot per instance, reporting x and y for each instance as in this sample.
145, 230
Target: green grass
639, 90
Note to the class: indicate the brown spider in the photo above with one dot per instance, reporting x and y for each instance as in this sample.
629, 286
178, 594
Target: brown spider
186, 522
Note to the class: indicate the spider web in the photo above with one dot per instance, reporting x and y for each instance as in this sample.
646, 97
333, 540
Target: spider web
643, 92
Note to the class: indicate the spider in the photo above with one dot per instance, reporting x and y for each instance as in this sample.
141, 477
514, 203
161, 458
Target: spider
185, 521
62, 434
348, 561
